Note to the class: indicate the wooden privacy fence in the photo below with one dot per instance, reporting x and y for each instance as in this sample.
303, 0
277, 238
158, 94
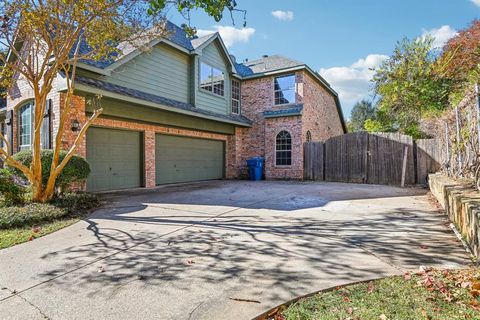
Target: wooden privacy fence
384, 158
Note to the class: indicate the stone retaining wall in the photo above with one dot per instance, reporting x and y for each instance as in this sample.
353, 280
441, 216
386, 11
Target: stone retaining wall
461, 202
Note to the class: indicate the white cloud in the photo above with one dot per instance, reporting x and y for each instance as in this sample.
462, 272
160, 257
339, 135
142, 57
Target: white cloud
353, 82
441, 35
476, 2
230, 35
283, 15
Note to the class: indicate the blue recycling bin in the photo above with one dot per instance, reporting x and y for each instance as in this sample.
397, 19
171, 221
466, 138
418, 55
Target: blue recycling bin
255, 168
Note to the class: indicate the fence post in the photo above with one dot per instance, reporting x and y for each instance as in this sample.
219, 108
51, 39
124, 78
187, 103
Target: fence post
478, 112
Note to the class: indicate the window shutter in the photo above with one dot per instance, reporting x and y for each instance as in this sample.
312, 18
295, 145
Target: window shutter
47, 126
9, 128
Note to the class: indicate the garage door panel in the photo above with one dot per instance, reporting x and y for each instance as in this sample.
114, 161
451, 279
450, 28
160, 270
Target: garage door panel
183, 159
115, 159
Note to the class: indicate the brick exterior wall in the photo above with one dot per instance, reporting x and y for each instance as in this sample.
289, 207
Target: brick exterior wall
320, 117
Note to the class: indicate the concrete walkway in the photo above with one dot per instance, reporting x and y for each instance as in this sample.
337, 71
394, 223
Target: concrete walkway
191, 252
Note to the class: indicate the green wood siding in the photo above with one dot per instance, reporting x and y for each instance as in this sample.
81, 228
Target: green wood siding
182, 159
163, 71
212, 55
124, 110
115, 159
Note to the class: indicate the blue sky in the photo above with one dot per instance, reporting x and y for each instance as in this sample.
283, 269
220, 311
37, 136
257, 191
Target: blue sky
341, 39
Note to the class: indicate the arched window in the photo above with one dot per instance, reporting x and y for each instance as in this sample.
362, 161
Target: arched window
25, 118
309, 136
283, 149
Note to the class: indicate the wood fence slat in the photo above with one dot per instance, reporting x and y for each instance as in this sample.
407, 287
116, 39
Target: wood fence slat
371, 158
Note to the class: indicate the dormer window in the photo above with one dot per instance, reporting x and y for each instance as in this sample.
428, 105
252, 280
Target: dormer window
284, 90
212, 79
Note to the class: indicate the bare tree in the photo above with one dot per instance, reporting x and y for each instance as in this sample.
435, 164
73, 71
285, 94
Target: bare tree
48, 38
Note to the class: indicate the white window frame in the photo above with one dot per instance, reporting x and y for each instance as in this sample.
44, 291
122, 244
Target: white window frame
239, 96
291, 149
294, 88
212, 84
20, 128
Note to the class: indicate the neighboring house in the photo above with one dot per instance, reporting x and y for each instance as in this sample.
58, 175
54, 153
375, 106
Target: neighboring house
185, 111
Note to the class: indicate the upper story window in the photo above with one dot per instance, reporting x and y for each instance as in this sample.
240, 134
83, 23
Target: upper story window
25, 126
212, 79
283, 149
236, 96
284, 89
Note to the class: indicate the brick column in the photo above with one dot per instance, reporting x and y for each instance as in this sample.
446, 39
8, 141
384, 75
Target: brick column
149, 159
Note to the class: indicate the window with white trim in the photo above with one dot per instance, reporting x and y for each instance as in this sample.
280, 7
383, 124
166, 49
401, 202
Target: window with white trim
284, 90
212, 79
235, 96
25, 118
283, 149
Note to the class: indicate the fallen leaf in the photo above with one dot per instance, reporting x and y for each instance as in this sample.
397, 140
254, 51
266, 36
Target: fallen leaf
30, 238
476, 286
424, 314
370, 287
407, 276
190, 262
36, 229
423, 247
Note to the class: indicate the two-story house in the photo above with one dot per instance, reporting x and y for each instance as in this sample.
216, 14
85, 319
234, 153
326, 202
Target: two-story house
184, 111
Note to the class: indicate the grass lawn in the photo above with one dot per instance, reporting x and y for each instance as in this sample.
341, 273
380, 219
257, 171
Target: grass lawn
13, 236
25, 223
428, 294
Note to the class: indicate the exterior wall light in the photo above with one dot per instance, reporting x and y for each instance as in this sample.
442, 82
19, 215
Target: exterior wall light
75, 125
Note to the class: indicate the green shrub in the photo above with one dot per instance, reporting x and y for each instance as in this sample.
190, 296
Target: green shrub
76, 203
29, 214
67, 205
11, 192
77, 169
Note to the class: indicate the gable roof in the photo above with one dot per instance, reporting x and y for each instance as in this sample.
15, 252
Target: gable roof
198, 42
174, 34
140, 97
267, 64
177, 37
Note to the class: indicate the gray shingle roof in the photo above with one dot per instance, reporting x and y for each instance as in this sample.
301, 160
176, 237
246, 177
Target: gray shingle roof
197, 42
178, 36
266, 64
173, 33
288, 112
102, 85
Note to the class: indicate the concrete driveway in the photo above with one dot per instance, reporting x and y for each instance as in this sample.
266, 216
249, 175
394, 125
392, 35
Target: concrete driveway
200, 251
